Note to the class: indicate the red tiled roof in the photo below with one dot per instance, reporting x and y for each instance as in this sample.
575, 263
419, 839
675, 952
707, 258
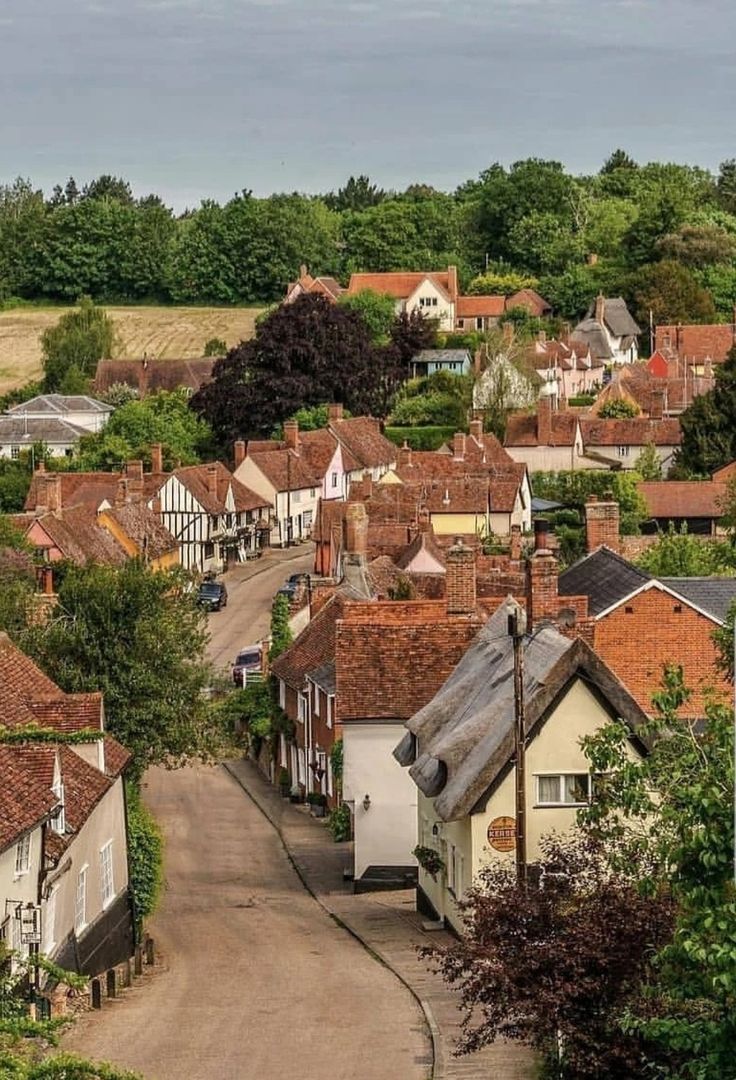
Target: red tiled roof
313, 647
25, 800
76, 532
363, 439
27, 696
470, 307
92, 488
116, 756
154, 374
400, 285
521, 429
195, 479
531, 300
725, 472
696, 342
145, 529
84, 786
683, 498
286, 470
634, 431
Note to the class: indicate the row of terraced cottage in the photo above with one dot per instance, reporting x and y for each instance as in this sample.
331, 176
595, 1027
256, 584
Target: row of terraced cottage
407, 659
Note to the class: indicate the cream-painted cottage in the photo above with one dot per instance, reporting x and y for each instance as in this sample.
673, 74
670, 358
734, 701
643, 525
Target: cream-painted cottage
460, 751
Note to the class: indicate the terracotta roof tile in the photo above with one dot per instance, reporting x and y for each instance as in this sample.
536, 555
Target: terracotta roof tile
470, 307
76, 532
116, 756
145, 529
314, 646
25, 800
636, 431
195, 479
400, 285
521, 429
286, 470
684, 498
362, 437
27, 696
696, 342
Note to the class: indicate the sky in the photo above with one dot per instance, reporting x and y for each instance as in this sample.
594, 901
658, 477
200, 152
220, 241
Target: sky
196, 99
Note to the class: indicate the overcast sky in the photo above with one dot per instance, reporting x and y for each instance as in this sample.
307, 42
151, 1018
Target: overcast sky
200, 98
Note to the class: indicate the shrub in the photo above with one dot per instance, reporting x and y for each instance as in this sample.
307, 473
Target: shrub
145, 852
420, 438
339, 823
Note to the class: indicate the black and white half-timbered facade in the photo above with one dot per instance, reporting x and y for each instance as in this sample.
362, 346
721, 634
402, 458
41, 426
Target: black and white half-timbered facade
214, 517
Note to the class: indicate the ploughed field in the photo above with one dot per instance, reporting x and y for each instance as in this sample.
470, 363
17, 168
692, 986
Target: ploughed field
173, 332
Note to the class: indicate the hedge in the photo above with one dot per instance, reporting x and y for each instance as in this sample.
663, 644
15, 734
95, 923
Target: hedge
145, 852
420, 438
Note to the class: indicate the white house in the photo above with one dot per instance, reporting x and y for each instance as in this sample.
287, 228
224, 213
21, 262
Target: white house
610, 331
459, 750
80, 410
433, 293
212, 515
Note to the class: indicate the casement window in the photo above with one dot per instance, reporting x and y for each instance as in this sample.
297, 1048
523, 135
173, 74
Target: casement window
303, 708
283, 760
209, 550
455, 871
427, 301
329, 778
15, 452
307, 518
563, 789
312, 492
58, 822
479, 323
330, 709
315, 691
80, 901
333, 480
282, 694
623, 451
23, 855
301, 767
107, 884
296, 496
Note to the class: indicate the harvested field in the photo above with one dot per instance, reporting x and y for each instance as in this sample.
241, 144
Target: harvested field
174, 332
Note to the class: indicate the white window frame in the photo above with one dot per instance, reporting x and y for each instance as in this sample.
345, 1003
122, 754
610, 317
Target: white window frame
329, 776
23, 856
49, 921
560, 777
58, 822
80, 900
302, 707
107, 877
333, 480
282, 694
315, 691
296, 496
330, 709
623, 451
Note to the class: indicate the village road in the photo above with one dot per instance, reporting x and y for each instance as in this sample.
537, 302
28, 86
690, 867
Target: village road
258, 981
250, 589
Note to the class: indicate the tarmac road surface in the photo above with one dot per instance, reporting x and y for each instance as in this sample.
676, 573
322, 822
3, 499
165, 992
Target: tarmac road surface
257, 980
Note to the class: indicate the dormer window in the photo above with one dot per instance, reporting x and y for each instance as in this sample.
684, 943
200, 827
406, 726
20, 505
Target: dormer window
58, 821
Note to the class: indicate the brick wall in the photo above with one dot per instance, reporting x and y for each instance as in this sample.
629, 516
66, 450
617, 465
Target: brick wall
671, 636
460, 580
601, 524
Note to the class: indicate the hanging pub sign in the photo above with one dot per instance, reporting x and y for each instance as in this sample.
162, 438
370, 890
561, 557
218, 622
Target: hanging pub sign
502, 834
30, 925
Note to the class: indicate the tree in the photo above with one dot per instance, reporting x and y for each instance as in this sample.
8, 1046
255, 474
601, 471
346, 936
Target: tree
138, 636
114, 188
726, 185
500, 281
76, 343
556, 965
669, 817
378, 311
670, 292
303, 354
281, 636
649, 464
214, 347
678, 554
709, 423
135, 426
618, 409
698, 246
357, 194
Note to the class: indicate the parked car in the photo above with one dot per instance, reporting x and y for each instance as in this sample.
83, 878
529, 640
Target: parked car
247, 664
212, 595
290, 585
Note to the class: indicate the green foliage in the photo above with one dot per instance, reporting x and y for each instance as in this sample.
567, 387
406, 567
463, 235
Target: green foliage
19, 395
163, 418
119, 394
709, 424
670, 815
337, 760
281, 635
377, 310
581, 401
420, 438
671, 293
429, 860
679, 554
138, 636
500, 282
339, 823
649, 464
571, 489
618, 409
72, 348
214, 347
145, 855
438, 400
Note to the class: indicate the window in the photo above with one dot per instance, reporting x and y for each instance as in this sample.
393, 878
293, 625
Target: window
58, 822
15, 452
107, 885
428, 301
455, 871
209, 550
623, 451
329, 777
307, 517
316, 692
80, 901
330, 706
566, 789
333, 480
282, 694
312, 492
296, 496
23, 855
215, 522
479, 323
49, 923
461, 324
301, 767
303, 708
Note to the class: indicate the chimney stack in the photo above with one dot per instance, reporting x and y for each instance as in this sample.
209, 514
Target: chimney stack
600, 308
460, 579
356, 531
452, 287
157, 458
334, 412
601, 523
50, 492
515, 543
458, 446
212, 472
238, 453
404, 461
656, 407
542, 600
134, 475
476, 429
121, 492
544, 420
367, 484
424, 522
291, 435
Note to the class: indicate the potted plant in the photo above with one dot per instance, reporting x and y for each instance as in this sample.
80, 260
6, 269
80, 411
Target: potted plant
429, 860
284, 783
295, 794
317, 803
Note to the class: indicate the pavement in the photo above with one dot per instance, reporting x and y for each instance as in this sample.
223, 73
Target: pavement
250, 590
257, 980
388, 926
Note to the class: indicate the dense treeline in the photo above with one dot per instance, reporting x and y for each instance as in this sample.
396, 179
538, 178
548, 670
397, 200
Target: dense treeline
663, 235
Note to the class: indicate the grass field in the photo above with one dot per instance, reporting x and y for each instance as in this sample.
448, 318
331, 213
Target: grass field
174, 332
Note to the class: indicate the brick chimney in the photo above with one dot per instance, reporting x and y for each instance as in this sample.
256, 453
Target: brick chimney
452, 282
656, 406
212, 472
291, 435
303, 270
46, 580
600, 308
460, 579
541, 578
367, 483
424, 522
238, 453
121, 492
458, 446
157, 458
41, 467
544, 420
515, 543
404, 456
356, 531
49, 492
476, 429
334, 412
134, 475
601, 523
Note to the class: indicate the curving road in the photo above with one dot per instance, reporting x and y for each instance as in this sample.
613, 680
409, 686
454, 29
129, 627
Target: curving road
259, 982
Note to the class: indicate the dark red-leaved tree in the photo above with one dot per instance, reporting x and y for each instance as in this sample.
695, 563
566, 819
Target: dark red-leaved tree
555, 967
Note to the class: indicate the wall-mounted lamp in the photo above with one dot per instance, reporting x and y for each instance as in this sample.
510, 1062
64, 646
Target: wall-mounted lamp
436, 829
366, 802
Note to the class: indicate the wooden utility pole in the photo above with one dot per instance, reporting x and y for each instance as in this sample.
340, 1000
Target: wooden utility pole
516, 630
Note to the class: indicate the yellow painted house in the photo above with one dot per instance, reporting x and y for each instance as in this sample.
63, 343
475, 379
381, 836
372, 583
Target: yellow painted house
141, 534
460, 752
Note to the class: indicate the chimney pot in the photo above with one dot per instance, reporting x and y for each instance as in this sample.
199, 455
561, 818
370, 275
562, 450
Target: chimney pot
291, 435
238, 453
405, 455
458, 446
212, 472
460, 587
334, 411
476, 429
